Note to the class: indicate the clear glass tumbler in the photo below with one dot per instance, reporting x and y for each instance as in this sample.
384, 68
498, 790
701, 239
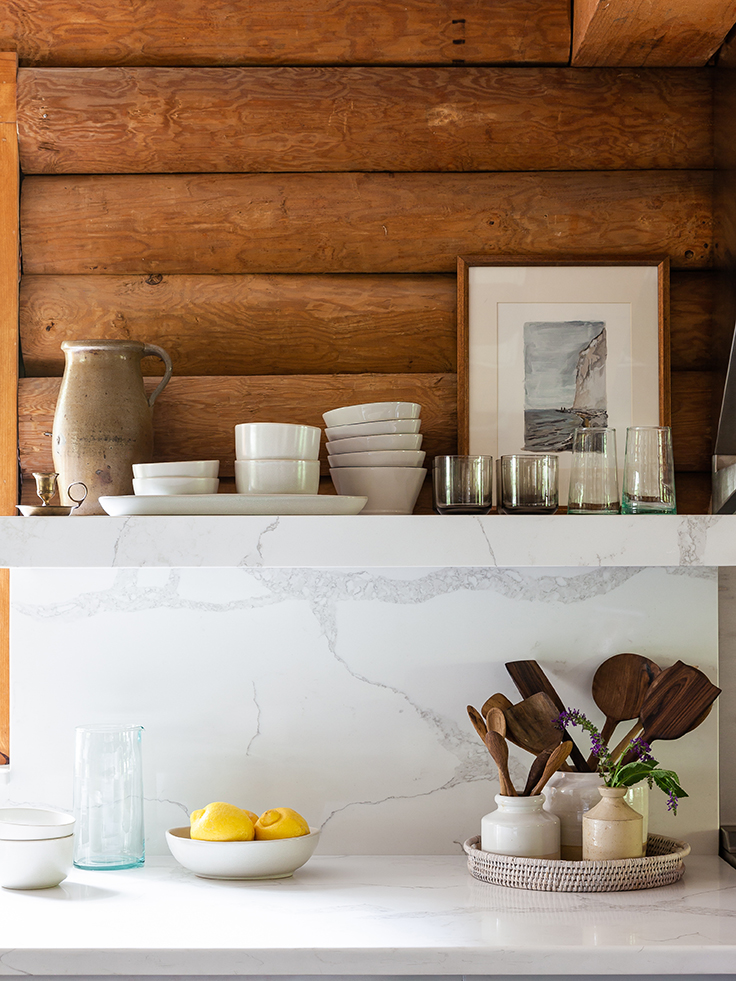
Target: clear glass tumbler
462, 484
528, 483
594, 472
649, 471
108, 797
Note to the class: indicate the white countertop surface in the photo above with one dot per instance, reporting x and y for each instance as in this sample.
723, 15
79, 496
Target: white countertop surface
368, 541
364, 915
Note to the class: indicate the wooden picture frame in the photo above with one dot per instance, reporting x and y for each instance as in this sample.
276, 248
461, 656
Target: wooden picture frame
519, 321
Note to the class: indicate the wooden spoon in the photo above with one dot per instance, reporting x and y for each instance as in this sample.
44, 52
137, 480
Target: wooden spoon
529, 723
557, 757
479, 723
499, 750
495, 701
677, 701
496, 720
619, 687
536, 770
530, 679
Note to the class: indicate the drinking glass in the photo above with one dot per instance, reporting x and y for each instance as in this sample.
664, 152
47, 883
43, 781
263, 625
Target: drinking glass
593, 472
462, 484
649, 471
528, 483
108, 797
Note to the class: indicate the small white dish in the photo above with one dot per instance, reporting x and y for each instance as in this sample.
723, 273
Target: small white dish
36, 847
125, 505
390, 490
185, 468
373, 428
277, 476
346, 415
379, 458
143, 486
276, 441
241, 859
364, 444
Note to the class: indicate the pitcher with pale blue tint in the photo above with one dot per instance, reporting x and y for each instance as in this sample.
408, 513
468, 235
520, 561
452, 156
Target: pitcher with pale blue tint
649, 471
108, 797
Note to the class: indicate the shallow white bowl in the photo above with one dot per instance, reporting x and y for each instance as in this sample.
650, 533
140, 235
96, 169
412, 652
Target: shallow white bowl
363, 444
241, 859
277, 476
158, 486
186, 468
379, 458
33, 823
276, 441
347, 415
390, 490
374, 428
36, 847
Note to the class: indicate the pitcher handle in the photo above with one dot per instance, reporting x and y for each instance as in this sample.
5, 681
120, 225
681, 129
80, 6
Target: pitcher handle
154, 351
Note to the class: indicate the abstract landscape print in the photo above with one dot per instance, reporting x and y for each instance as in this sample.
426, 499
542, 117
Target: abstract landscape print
564, 381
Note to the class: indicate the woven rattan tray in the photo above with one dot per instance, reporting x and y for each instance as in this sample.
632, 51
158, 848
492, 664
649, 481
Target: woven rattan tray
662, 865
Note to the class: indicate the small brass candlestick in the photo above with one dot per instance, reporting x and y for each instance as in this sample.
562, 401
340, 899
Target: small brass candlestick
46, 486
46, 483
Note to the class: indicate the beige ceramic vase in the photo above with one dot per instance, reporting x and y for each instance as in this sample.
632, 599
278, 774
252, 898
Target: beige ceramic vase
612, 829
103, 422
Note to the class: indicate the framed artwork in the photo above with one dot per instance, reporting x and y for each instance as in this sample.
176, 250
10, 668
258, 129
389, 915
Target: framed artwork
547, 345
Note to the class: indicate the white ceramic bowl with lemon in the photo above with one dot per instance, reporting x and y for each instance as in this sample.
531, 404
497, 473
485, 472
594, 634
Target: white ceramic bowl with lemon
232, 850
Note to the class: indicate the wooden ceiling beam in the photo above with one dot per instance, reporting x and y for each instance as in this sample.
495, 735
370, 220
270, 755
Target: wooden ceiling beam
651, 33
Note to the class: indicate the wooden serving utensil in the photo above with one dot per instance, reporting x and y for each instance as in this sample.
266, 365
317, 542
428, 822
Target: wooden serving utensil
499, 750
479, 723
529, 723
556, 758
536, 770
495, 701
496, 720
530, 679
619, 687
677, 701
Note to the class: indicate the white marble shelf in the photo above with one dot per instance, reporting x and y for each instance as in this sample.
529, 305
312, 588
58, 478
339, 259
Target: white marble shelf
368, 541
366, 915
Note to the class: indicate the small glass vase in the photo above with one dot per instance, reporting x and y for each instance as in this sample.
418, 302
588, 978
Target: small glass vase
521, 827
612, 829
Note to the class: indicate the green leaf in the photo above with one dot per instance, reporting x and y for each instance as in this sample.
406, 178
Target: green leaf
631, 773
668, 781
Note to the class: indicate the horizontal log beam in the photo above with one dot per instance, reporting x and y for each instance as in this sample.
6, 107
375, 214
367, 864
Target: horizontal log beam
194, 418
281, 32
250, 120
317, 223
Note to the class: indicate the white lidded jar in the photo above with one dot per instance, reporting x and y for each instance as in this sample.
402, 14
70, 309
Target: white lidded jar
520, 826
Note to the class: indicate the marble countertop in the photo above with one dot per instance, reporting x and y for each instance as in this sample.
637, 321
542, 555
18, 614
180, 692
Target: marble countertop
368, 541
385, 915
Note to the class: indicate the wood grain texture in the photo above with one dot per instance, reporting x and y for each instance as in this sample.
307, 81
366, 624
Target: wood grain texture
243, 120
692, 313
230, 32
317, 223
249, 325
8, 74
649, 32
693, 418
194, 418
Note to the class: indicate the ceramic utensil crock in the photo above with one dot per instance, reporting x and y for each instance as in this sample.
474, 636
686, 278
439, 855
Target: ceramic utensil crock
103, 422
520, 826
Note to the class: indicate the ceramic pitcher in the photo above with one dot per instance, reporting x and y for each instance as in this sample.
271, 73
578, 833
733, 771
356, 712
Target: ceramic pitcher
103, 422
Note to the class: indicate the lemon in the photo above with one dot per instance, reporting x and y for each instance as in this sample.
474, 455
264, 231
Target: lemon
222, 822
280, 822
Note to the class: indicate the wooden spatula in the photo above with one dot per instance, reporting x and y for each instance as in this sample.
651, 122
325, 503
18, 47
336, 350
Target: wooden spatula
499, 750
529, 723
536, 770
530, 679
677, 701
556, 758
479, 723
619, 687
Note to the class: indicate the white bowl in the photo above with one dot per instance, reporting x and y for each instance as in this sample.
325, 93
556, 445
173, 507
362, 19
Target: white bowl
36, 847
32, 823
187, 468
276, 441
158, 486
374, 428
362, 444
241, 859
390, 490
277, 476
347, 415
379, 458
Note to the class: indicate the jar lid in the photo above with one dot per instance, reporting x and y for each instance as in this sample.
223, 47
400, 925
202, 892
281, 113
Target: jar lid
33, 823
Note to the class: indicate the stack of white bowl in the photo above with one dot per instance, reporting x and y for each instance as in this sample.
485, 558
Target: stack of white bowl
276, 458
186, 477
374, 450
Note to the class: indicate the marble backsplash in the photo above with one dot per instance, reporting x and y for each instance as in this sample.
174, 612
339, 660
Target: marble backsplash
341, 693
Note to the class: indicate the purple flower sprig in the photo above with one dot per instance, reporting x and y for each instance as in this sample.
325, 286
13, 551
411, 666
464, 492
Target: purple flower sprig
620, 774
